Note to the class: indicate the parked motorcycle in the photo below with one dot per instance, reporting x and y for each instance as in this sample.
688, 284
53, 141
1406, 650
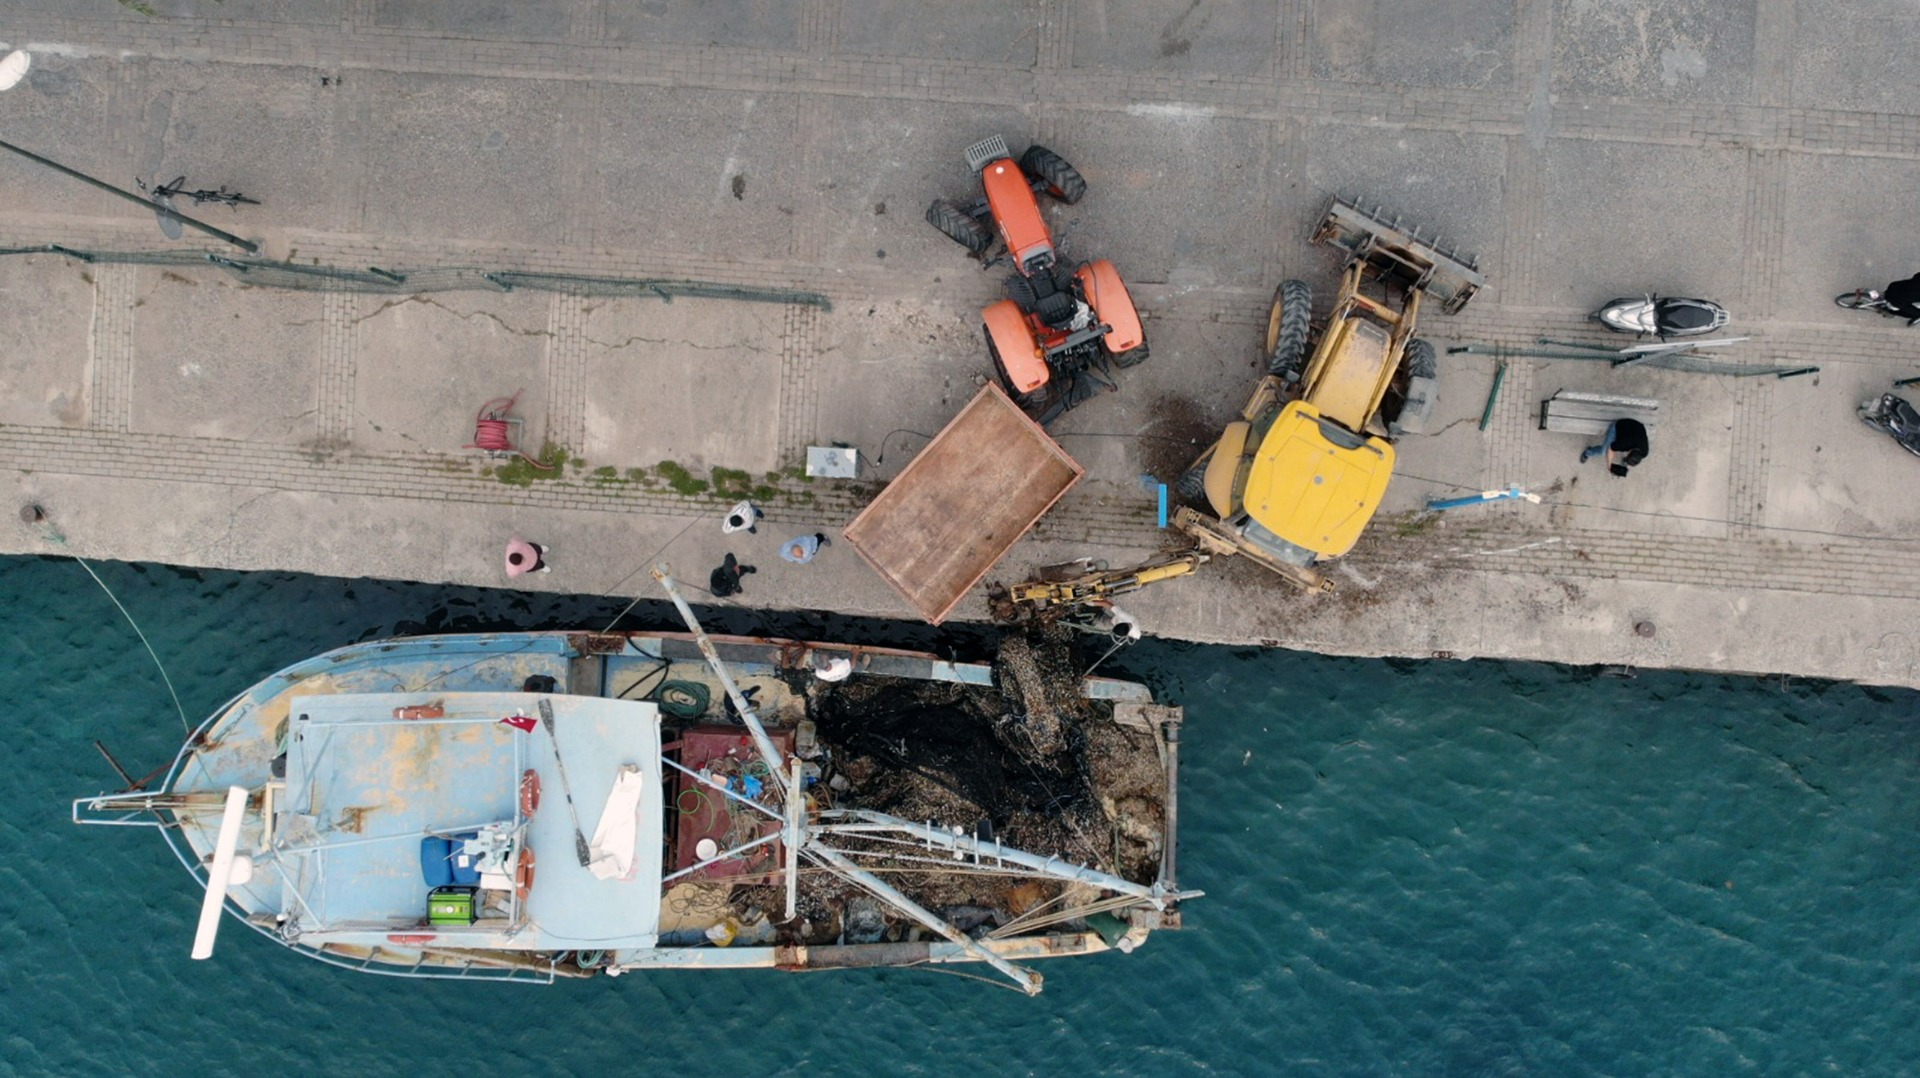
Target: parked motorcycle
1893, 416
1661, 316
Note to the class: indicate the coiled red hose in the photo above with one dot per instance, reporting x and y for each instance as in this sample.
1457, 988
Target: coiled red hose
492, 432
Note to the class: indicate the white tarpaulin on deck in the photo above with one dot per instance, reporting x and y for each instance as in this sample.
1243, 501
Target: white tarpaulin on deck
613, 840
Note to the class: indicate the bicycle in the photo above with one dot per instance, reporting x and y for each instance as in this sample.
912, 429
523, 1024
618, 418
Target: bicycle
1867, 299
162, 192
222, 196
176, 188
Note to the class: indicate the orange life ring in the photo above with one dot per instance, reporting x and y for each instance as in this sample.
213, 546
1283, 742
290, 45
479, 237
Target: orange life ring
523, 875
529, 793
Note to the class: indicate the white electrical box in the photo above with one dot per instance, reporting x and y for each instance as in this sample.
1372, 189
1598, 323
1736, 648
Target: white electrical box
833, 462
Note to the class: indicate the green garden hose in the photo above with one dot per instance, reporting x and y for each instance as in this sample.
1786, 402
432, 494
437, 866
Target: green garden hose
682, 699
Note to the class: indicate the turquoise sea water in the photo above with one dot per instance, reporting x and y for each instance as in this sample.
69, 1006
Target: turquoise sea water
1464, 868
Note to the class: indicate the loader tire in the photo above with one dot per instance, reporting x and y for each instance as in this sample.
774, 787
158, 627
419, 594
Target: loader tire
1063, 180
1420, 361
1288, 325
959, 226
1192, 484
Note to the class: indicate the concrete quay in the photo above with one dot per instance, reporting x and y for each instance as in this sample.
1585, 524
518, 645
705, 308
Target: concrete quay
1758, 152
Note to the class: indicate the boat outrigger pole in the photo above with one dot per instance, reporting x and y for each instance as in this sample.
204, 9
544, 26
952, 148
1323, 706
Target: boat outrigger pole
1028, 980
800, 836
793, 821
776, 761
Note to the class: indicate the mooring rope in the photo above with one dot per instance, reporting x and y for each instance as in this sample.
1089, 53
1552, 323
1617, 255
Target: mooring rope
143, 640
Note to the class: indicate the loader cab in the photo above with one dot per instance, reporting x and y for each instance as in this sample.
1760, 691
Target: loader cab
1017, 212
1294, 484
1312, 485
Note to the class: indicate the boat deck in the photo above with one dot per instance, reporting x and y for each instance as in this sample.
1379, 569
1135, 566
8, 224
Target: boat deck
345, 790
363, 789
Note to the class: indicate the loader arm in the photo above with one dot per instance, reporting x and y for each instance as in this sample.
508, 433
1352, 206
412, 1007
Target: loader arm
1100, 586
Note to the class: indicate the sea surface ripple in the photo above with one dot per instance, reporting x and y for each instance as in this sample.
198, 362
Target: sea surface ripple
1470, 868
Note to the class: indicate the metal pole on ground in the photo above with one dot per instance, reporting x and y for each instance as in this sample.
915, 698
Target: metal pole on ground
14, 67
1511, 493
164, 211
1499, 376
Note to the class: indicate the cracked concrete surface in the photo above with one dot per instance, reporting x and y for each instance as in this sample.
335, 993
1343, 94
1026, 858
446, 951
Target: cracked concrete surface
1749, 152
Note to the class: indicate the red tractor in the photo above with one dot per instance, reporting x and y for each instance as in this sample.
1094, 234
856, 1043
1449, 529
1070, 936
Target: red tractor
1059, 334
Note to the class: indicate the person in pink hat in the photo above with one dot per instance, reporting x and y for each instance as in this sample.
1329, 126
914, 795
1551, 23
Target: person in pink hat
525, 557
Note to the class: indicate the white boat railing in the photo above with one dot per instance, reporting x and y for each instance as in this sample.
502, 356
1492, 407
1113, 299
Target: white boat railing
120, 810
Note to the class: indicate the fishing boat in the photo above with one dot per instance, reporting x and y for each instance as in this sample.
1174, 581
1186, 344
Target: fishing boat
530, 806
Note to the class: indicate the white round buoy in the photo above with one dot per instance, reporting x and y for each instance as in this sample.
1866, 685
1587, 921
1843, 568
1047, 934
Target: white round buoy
14, 68
705, 849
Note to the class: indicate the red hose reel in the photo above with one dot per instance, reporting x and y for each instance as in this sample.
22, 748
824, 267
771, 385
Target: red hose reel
492, 430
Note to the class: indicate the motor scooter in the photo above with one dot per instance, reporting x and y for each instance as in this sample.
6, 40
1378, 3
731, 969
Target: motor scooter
1661, 316
1893, 416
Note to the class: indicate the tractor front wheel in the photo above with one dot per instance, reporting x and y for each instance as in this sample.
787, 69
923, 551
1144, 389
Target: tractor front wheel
1063, 180
1288, 324
959, 226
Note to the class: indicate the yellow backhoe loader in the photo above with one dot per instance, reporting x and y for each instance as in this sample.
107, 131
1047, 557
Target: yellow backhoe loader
1296, 479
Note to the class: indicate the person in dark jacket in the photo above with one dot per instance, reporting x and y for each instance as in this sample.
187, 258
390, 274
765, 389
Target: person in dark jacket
1903, 299
725, 580
1625, 445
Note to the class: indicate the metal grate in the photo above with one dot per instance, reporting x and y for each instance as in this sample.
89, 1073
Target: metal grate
986, 151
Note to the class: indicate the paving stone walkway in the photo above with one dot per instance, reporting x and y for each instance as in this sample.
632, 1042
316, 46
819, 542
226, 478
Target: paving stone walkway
1759, 153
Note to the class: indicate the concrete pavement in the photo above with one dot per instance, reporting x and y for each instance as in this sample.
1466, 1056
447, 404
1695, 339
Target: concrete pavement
1755, 153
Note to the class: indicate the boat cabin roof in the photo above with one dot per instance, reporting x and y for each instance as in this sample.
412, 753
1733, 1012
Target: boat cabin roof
364, 787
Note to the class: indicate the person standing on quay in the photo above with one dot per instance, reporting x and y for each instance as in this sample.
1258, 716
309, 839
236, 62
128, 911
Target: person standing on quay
524, 557
801, 551
743, 517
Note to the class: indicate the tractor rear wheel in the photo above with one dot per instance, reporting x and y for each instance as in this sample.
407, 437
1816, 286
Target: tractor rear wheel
1132, 357
1063, 180
1287, 327
959, 226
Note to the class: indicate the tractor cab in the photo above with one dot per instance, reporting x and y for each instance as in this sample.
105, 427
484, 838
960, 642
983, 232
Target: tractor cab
1051, 299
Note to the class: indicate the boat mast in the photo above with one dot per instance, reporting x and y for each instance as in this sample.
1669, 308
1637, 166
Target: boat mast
776, 761
793, 822
801, 837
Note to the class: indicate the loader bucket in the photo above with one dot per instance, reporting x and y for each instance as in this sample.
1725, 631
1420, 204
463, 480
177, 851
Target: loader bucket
1447, 277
